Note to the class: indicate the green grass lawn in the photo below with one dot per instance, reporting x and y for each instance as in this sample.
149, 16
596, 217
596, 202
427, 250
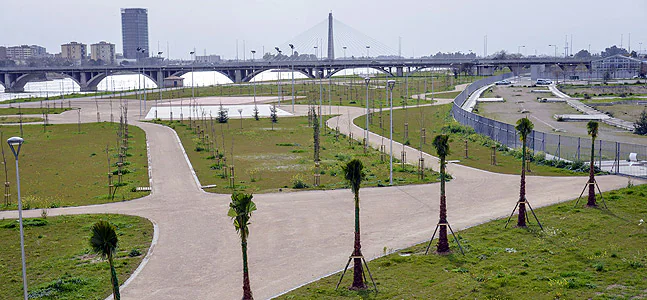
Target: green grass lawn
265, 160
346, 91
446, 95
31, 110
583, 253
62, 167
435, 117
60, 264
12, 120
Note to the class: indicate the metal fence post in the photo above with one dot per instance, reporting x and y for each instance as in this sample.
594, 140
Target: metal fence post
578, 148
559, 146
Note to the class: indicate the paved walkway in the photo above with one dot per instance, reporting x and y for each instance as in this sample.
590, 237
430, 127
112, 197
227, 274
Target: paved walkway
295, 237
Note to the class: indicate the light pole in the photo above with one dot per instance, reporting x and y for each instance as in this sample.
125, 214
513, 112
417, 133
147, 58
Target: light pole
160, 85
344, 51
367, 80
316, 57
320, 98
555, 49
292, 68
519, 48
279, 81
15, 143
254, 83
390, 84
367, 57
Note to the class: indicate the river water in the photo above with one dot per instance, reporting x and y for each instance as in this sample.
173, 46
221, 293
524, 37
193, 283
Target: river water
124, 82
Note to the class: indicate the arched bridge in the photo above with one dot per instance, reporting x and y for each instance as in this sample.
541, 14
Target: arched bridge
88, 77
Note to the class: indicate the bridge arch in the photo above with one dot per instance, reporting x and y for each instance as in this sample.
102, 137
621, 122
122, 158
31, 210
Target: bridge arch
251, 76
335, 71
183, 72
93, 82
22, 80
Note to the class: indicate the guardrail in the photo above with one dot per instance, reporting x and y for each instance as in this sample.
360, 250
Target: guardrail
614, 157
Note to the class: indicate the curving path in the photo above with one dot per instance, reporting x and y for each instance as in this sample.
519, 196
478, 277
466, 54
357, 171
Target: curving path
295, 237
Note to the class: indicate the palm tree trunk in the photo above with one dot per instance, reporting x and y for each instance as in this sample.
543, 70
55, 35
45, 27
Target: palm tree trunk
443, 243
358, 271
521, 221
591, 201
114, 280
247, 290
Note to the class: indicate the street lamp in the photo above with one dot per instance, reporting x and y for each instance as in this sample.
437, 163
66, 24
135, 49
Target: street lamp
390, 84
519, 48
555, 49
279, 81
139, 79
316, 57
367, 80
160, 85
344, 51
254, 83
15, 143
292, 68
320, 98
367, 57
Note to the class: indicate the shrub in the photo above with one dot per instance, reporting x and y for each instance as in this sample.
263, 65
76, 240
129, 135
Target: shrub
134, 253
298, 183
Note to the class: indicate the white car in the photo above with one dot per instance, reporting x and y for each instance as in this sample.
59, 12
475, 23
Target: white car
543, 82
503, 82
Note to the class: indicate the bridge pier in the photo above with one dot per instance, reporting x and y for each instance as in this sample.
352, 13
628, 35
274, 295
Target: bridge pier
399, 71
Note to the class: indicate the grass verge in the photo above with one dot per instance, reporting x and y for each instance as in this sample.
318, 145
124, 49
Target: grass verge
31, 111
583, 253
62, 167
60, 263
266, 160
437, 120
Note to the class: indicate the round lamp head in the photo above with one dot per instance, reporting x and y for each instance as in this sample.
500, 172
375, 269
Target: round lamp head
15, 143
391, 83
367, 79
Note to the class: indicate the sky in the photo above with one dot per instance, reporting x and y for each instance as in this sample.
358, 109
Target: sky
425, 26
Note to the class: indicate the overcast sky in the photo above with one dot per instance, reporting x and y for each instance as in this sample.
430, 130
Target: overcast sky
426, 27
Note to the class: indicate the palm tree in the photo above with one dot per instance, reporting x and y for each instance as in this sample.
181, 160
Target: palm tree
240, 210
441, 143
524, 127
354, 173
104, 242
592, 128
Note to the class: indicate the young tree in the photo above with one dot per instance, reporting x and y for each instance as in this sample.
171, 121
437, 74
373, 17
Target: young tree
256, 115
104, 242
223, 115
592, 128
524, 127
641, 124
273, 116
240, 210
441, 143
354, 174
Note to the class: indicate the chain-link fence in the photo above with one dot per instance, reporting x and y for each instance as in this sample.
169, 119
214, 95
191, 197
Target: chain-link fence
614, 157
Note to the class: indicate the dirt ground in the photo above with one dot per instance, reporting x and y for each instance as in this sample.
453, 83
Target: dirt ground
627, 112
605, 90
519, 98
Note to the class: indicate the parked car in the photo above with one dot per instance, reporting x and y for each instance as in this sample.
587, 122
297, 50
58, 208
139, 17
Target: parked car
642, 76
503, 82
543, 82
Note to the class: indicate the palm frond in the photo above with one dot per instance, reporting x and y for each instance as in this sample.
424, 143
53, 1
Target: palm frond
104, 239
354, 173
592, 128
240, 210
524, 127
441, 143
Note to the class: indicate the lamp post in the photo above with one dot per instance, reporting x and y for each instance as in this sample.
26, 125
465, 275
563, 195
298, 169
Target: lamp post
254, 81
390, 85
279, 81
367, 57
555, 49
316, 57
320, 98
15, 143
344, 51
519, 48
367, 80
160, 85
292, 68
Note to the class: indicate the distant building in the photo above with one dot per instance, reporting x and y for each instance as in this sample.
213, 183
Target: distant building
24, 52
134, 32
103, 51
3, 53
173, 81
74, 51
619, 66
207, 58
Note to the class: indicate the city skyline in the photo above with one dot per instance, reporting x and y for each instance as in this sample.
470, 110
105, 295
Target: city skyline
425, 30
